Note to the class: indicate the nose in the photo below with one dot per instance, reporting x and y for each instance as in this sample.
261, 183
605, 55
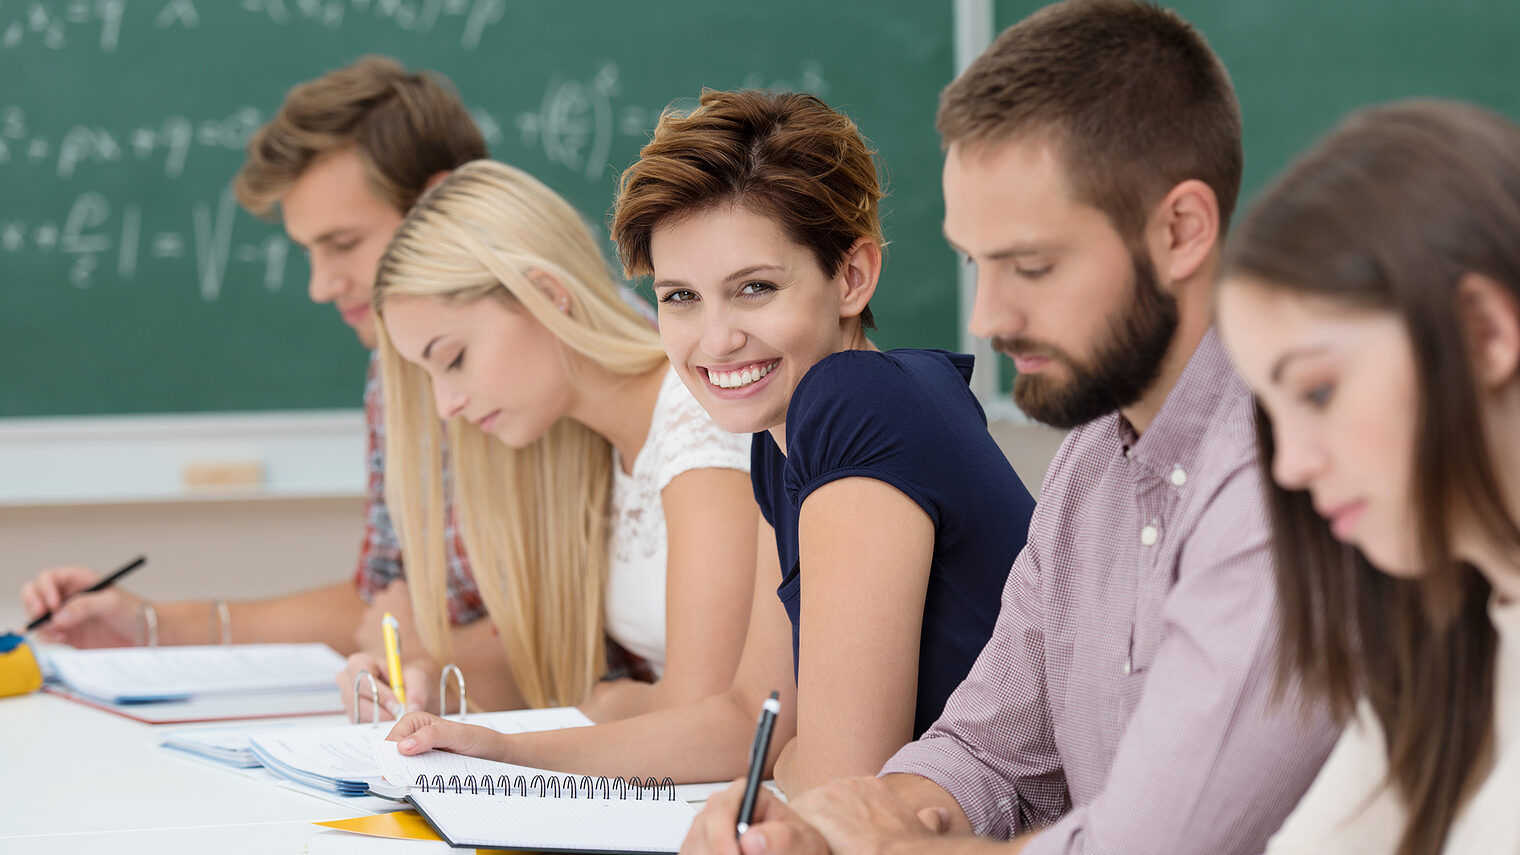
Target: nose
449, 400
327, 284
1297, 458
992, 311
721, 335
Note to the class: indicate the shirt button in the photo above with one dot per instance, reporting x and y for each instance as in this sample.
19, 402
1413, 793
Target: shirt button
1128, 666
1178, 476
1149, 535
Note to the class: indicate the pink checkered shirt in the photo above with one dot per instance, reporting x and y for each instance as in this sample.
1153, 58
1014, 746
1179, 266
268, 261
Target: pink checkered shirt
1123, 701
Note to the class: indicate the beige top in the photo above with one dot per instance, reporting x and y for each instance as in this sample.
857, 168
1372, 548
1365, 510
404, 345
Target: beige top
1348, 811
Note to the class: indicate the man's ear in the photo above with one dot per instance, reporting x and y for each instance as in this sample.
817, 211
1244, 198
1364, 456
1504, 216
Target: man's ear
1183, 230
553, 290
858, 276
1491, 322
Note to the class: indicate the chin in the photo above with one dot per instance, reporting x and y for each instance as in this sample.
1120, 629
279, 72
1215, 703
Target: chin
1400, 562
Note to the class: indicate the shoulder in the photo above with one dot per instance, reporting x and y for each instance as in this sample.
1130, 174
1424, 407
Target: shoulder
899, 386
684, 437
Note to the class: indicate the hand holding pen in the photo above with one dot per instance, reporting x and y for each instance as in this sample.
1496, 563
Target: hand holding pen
73, 605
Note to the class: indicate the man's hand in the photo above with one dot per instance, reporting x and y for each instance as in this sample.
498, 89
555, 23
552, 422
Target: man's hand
774, 829
864, 815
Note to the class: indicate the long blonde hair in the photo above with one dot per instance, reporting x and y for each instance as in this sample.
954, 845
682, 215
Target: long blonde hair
533, 520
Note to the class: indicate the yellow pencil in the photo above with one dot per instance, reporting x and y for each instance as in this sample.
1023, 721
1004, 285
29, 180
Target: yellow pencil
391, 629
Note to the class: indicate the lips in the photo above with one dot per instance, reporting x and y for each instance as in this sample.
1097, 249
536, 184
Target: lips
739, 376
354, 314
485, 424
1343, 518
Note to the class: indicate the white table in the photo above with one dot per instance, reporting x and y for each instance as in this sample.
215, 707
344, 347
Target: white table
77, 780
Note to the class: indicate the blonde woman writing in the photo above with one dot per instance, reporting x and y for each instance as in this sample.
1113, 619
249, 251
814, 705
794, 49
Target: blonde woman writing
596, 498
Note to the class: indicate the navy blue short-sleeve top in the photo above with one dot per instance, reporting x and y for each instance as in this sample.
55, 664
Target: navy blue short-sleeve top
906, 418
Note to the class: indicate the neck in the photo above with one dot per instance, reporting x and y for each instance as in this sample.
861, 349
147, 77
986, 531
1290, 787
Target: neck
620, 409
1194, 316
852, 336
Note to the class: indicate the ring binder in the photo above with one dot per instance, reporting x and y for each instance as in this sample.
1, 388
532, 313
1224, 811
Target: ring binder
570, 788
443, 697
374, 696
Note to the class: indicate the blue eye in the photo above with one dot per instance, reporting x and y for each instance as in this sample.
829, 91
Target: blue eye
1319, 397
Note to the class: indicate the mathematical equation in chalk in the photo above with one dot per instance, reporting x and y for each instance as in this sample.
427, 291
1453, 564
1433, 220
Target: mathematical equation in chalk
577, 120
171, 139
101, 239
58, 24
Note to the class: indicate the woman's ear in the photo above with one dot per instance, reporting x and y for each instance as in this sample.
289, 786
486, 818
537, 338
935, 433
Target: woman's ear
552, 289
858, 276
1491, 321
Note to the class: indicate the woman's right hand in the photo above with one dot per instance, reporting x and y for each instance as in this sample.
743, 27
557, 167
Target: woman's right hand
417, 732
109, 618
416, 683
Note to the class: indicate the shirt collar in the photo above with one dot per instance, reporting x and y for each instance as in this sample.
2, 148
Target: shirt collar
1180, 428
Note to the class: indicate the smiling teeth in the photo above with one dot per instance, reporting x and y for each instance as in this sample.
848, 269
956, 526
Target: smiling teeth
741, 378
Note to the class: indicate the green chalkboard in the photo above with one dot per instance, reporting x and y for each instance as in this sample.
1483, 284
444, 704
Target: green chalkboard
130, 282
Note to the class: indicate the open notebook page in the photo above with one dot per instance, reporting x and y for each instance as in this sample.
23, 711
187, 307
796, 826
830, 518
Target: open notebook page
160, 673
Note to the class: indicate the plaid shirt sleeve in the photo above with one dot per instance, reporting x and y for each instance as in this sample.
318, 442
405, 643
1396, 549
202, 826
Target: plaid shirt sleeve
380, 550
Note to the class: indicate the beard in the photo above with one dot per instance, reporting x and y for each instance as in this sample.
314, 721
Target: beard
1123, 369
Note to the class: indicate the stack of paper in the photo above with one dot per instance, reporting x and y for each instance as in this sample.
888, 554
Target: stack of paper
133, 675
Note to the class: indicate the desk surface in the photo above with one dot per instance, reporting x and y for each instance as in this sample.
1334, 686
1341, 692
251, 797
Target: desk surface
75, 778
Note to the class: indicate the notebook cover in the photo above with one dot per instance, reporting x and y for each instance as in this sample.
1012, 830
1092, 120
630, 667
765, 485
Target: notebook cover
445, 839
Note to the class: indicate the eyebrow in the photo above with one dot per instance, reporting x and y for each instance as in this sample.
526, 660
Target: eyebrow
1300, 353
426, 351
327, 236
1012, 250
737, 274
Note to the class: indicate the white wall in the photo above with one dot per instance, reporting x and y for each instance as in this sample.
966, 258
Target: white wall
259, 547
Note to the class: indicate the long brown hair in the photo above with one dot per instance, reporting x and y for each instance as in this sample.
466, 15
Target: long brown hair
1389, 212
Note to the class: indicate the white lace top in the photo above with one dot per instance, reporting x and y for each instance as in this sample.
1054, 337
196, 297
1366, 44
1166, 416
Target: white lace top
681, 437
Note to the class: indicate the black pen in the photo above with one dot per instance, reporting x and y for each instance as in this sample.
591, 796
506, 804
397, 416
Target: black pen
98, 586
768, 713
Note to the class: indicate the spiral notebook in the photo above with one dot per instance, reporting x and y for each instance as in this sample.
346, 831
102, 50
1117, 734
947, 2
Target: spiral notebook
545, 812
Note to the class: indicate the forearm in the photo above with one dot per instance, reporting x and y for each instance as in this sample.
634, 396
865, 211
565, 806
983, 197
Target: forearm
614, 700
921, 793
704, 741
327, 615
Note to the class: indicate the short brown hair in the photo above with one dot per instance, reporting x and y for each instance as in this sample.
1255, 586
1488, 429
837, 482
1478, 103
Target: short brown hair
1388, 213
1130, 94
406, 128
788, 156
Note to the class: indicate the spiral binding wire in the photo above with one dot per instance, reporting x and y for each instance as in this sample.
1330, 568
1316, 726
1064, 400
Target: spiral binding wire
566, 786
